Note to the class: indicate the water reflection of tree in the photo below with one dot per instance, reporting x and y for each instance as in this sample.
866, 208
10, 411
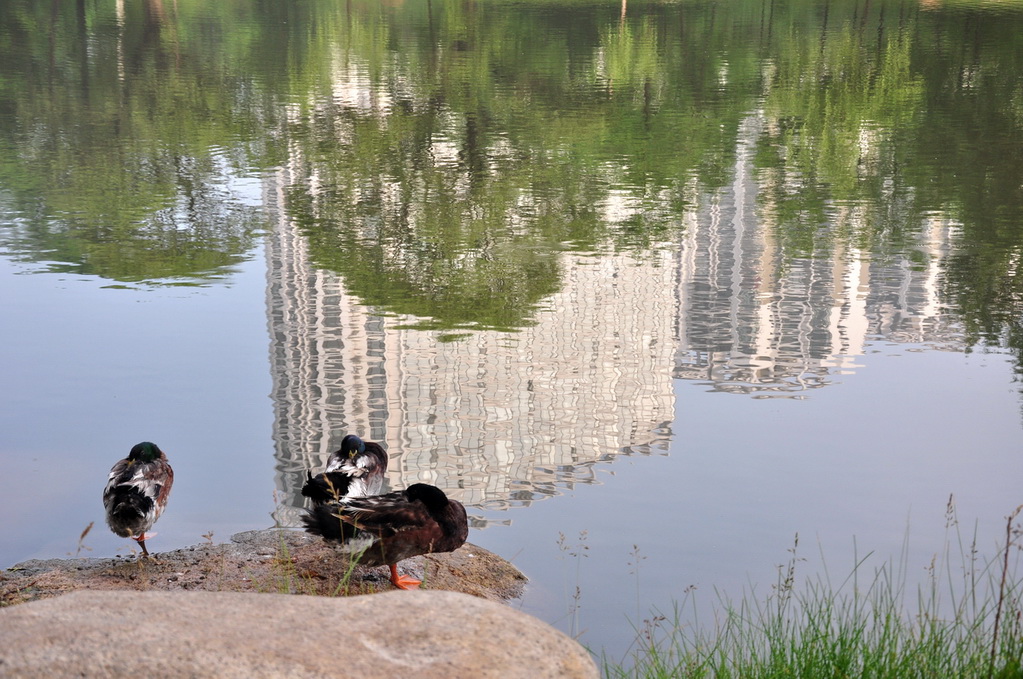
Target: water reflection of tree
120, 129
647, 103
451, 200
978, 122
859, 114
112, 167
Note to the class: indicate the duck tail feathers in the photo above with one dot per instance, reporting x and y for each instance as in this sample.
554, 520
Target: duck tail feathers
324, 520
326, 487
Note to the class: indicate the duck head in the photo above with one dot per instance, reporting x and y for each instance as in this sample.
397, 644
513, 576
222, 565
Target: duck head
144, 452
352, 445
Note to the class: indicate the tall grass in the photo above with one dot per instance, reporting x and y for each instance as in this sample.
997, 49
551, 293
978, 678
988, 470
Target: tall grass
965, 620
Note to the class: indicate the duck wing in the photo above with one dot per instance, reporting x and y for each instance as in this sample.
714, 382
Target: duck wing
385, 515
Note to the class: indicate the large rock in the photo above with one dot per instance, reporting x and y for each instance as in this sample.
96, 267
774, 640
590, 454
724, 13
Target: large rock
230, 634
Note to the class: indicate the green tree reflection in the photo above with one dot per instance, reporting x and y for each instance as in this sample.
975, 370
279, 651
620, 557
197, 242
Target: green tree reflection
903, 114
473, 162
443, 155
114, 160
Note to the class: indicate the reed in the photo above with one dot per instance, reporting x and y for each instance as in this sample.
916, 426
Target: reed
965, 620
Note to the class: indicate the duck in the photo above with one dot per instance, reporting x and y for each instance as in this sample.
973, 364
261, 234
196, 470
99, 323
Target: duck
382, 530
356, 469
136, 492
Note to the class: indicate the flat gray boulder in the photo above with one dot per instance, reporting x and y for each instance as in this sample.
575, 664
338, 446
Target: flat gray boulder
425, 634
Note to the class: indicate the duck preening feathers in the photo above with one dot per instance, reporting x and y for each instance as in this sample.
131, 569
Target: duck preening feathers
356, 469
385, 529
136, 492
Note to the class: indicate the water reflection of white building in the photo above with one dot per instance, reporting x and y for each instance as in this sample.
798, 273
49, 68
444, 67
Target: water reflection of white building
494, 418
756, 319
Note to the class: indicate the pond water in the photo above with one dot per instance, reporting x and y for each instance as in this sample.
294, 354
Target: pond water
652, 288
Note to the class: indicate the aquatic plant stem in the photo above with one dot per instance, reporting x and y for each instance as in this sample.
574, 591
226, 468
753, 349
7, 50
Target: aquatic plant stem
1001, 589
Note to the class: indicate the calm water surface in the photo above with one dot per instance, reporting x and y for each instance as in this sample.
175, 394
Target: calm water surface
653, 289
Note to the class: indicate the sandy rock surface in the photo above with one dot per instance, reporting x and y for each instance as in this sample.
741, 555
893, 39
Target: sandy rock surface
268, 561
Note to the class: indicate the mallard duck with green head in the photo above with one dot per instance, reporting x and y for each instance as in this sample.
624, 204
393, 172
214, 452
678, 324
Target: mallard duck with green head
385, 529
137, 491
356, 469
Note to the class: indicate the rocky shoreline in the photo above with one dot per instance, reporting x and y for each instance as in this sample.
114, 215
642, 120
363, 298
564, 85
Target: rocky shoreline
228, 610
277, 561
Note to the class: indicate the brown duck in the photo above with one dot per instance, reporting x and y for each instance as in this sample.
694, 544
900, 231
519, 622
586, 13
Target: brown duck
385, 529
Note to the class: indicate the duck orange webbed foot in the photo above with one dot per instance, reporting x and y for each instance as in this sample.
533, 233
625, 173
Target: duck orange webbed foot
141, 539
403, 581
